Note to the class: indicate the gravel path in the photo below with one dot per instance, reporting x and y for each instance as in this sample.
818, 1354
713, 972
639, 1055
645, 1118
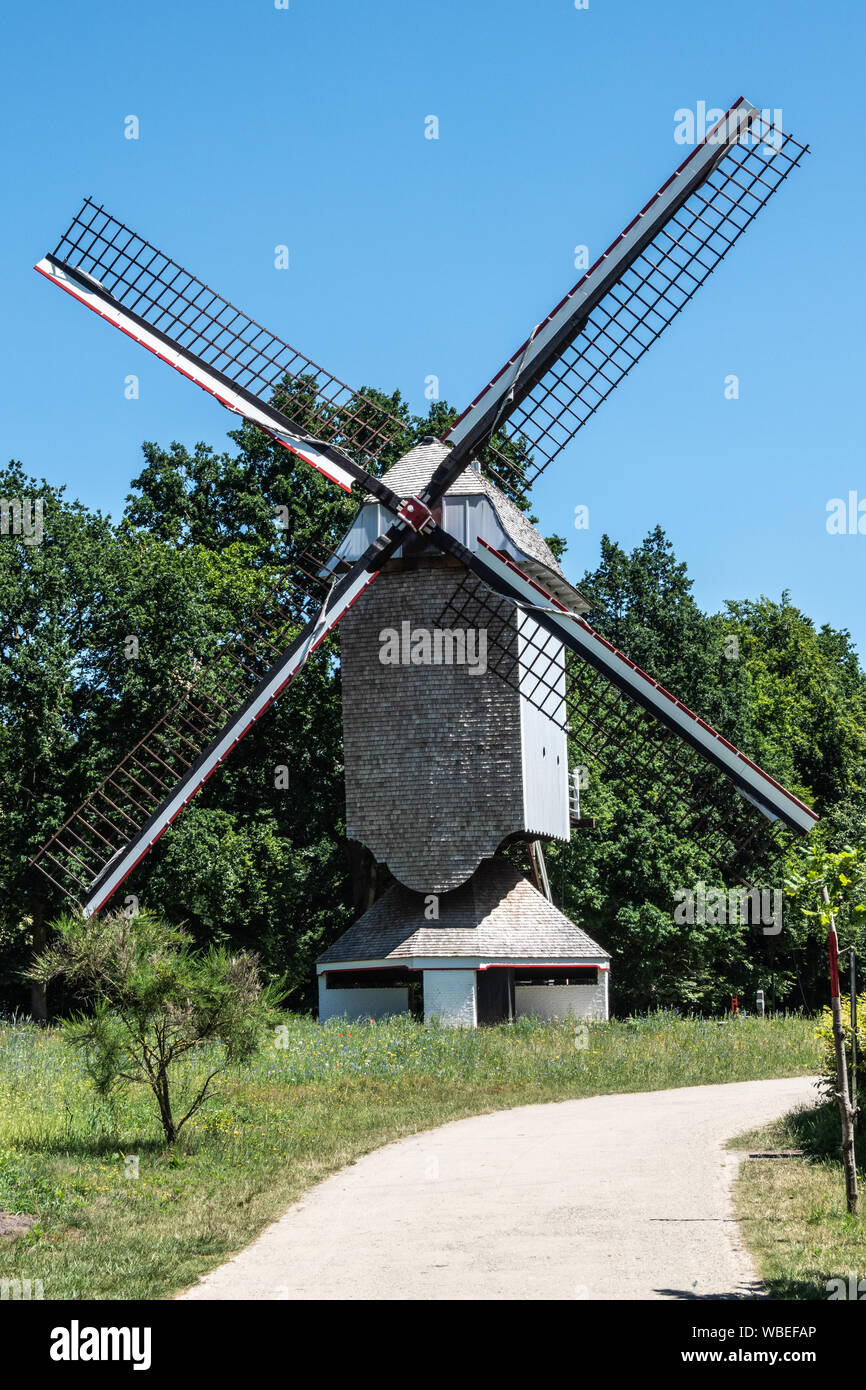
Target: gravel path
613, 1197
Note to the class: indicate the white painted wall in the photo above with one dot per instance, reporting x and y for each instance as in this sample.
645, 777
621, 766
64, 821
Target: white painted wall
465, 517
549, 1001
357, 1004
450, 996
544, 744
468, 517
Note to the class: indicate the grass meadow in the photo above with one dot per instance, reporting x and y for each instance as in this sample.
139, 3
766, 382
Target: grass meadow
792, 1210
119, 1216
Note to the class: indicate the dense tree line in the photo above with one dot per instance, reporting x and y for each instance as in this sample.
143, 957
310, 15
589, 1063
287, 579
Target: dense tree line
793, 698
204, 539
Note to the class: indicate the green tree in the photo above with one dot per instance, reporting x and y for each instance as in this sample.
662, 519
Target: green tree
75, 691
835, 886
792, 698
807, 696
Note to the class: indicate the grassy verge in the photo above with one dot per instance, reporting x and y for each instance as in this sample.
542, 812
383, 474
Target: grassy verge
792, 1210
119, 1217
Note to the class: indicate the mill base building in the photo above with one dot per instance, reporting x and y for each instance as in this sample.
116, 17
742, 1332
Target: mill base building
498, 950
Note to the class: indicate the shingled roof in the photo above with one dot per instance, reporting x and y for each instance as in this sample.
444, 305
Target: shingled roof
410, 474
497, 913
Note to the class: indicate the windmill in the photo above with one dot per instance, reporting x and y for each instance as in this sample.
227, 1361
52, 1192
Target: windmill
446, 762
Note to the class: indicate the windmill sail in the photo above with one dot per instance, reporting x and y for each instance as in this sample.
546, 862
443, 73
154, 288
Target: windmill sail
138, 289
106, 266
627, 722
103, 840
556, 381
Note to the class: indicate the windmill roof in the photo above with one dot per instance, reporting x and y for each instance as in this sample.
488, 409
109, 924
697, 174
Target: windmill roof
410, 474
496, 913
510, 528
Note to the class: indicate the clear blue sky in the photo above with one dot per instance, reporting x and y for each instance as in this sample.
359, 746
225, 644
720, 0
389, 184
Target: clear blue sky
410, 256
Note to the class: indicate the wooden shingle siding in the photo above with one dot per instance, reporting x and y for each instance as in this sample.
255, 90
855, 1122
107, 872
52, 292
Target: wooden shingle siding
432, 753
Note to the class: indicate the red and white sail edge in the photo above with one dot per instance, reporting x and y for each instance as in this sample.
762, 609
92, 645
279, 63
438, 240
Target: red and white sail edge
504, 577
89, 292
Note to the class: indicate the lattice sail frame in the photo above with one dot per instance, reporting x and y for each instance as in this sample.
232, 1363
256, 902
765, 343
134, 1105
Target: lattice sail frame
623, 736
81, 851
601, 333
120, 275
100, 844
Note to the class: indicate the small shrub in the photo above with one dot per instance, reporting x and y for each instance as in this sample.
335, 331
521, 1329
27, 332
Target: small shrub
152, 1000
824, 1031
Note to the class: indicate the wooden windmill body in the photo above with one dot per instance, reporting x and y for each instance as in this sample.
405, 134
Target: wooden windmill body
472, 764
